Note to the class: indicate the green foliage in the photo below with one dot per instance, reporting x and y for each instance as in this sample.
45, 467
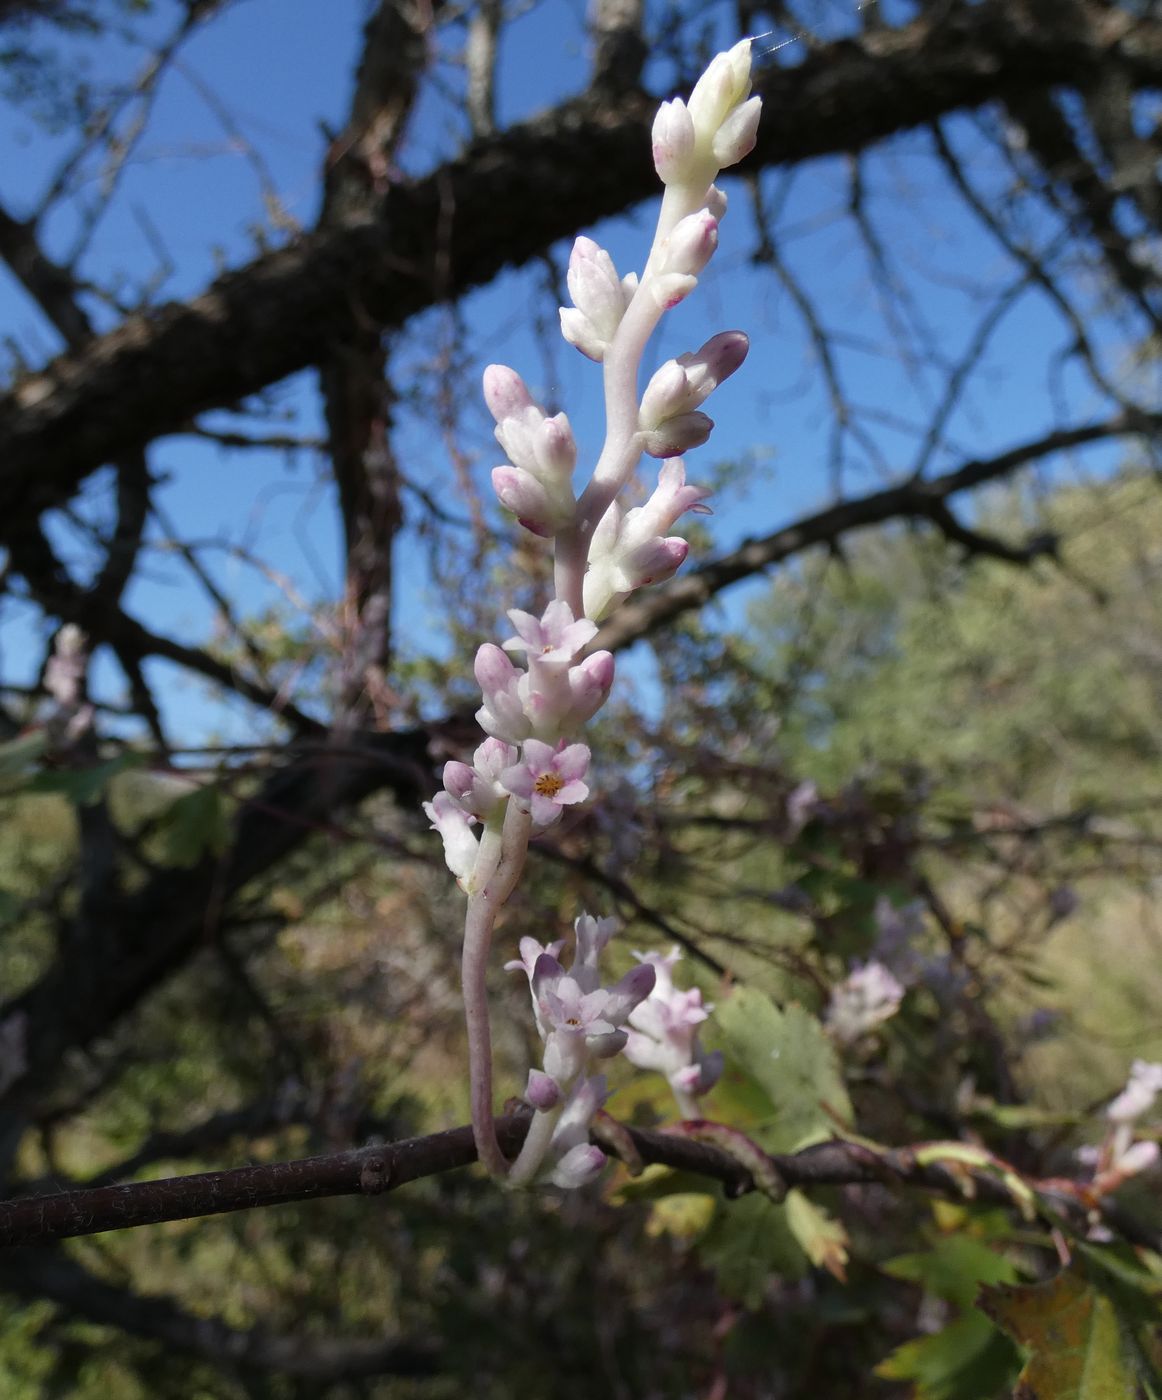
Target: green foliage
967, 1359
197, 824
784, 1085
1081, 1344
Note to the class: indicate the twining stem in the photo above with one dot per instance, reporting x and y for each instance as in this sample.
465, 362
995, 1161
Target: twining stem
499, 865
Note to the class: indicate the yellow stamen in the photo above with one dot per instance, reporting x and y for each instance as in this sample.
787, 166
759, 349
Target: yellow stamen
549, 784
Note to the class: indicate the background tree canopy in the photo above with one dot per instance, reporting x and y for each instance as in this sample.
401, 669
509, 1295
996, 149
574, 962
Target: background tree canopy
903, 701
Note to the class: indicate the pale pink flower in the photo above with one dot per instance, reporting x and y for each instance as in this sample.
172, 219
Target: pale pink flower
554, 636
548, 778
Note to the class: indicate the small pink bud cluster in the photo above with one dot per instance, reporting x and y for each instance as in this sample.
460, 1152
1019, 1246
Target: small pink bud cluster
537, 486
669, 419
1124, 1154
632, 549
865, 999
600, 299
664, 1034
715, 129
580, 1022
556, 694
528, 714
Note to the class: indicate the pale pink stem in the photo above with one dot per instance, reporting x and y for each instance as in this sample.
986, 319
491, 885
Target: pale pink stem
483, 906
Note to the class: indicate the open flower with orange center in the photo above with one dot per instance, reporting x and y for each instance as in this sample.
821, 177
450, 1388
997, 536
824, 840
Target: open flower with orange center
548, 778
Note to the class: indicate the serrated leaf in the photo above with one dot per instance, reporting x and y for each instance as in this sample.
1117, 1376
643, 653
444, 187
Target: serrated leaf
822, 1238
196, 825
967, 1360
1071, 1331
787, 1055
749, 1241
682, 1216
953, 1268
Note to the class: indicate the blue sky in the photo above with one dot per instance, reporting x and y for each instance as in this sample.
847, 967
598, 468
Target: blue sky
282, 70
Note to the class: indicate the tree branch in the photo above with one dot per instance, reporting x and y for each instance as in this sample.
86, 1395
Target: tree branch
373, 1171
504, 201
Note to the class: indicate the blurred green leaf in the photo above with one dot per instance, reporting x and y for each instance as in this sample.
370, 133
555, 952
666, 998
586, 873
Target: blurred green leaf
749, 1242
954, 1268
195, 825
787, 1054
84, 785
967, 1360
1072, 1332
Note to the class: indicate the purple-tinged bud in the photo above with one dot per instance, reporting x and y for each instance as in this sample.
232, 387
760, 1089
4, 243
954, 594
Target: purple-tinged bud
655, 561
691, 245
684, 384
677, 435
459, 780
493, 670
578, 1167
476, 787
736, 136
670, 288
595, 287
590, 684
633, 988
542, 1091
505, 393
502, 714
715, 361
673, 141
539, 512
547, 972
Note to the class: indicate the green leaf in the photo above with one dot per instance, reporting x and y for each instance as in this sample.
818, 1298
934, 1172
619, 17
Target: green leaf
822, 1238
196, 825
748, 1241
83, 786
787, 1055
1072, 1333
967, 1360
953, 1268
16, 755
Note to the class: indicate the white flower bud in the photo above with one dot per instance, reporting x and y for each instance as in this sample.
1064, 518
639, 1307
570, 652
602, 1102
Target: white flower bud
736, 136
673, 142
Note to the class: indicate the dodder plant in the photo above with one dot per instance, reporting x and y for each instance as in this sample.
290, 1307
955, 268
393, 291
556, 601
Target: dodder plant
533, 764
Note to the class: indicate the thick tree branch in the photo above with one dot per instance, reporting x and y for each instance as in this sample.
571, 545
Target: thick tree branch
503, 202
911, 500
373, 1171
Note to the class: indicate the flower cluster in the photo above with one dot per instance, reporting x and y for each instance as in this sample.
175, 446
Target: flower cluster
580, 1022
1123, 1154
664, 1035
865, 999
533, 764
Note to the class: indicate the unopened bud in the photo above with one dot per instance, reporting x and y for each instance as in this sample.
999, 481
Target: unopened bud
673, 142
722, 87
736, 136
676, 435
691, 245
542, 1091
505, 392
